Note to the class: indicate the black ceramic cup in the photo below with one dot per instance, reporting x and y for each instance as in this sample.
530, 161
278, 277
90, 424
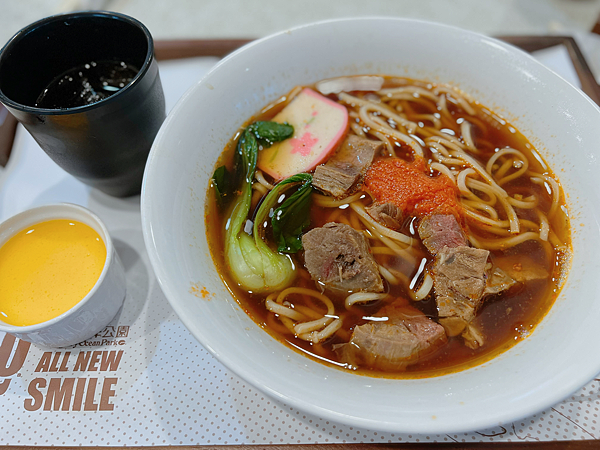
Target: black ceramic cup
104, 144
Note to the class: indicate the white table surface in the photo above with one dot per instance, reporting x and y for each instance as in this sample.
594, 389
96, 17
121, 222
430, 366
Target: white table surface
188, 19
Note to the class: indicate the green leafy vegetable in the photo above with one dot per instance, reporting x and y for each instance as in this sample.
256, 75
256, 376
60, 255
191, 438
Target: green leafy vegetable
263, 133
292, 217
268, 133
222, 184
252, 262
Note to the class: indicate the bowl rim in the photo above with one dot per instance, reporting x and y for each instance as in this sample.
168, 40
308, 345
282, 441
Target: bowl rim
57, 211
161, 274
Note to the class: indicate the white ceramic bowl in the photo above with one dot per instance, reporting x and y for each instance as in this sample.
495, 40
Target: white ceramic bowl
93, 312
559, 357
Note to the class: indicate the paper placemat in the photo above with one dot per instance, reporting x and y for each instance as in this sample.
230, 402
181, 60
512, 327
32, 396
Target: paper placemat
144, 380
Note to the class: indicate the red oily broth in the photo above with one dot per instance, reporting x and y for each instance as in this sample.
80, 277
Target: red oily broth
505, 318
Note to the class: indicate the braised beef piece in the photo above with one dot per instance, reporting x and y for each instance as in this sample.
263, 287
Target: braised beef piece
473, 336
387, 214
498, 281
459, 283
441, 230
459, 272
507, 271
338, 256
342, 174
521, 268
394, 344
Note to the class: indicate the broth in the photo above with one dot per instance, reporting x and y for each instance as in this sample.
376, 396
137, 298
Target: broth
504, 318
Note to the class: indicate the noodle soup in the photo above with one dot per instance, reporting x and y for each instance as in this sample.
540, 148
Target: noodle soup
423, 236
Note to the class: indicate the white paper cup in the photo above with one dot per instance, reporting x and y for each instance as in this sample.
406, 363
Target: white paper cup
93, 312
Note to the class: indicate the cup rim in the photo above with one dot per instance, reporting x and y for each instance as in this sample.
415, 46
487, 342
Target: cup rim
148, 59
35, 218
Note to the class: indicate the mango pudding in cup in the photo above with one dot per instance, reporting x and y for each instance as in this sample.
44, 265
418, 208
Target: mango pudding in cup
61, 280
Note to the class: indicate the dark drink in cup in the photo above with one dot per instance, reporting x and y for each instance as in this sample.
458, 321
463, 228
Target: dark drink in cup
87, 88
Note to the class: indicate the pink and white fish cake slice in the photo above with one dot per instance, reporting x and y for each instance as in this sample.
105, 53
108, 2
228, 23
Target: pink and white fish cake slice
319, 125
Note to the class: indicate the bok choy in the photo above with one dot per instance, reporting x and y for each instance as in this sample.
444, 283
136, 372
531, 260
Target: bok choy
253, 264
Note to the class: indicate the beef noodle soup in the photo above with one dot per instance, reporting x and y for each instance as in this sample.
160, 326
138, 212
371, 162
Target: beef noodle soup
388, 226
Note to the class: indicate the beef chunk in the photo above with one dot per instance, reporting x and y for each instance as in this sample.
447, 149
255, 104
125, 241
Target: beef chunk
393, 344
459, 275
473, 336
441, 230
458, 271
521, 268
510, 270
387, 214
338, 256
342, 174
498, 281
459, 283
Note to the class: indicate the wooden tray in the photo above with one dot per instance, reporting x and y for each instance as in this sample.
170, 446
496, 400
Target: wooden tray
221, 47
177, 49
